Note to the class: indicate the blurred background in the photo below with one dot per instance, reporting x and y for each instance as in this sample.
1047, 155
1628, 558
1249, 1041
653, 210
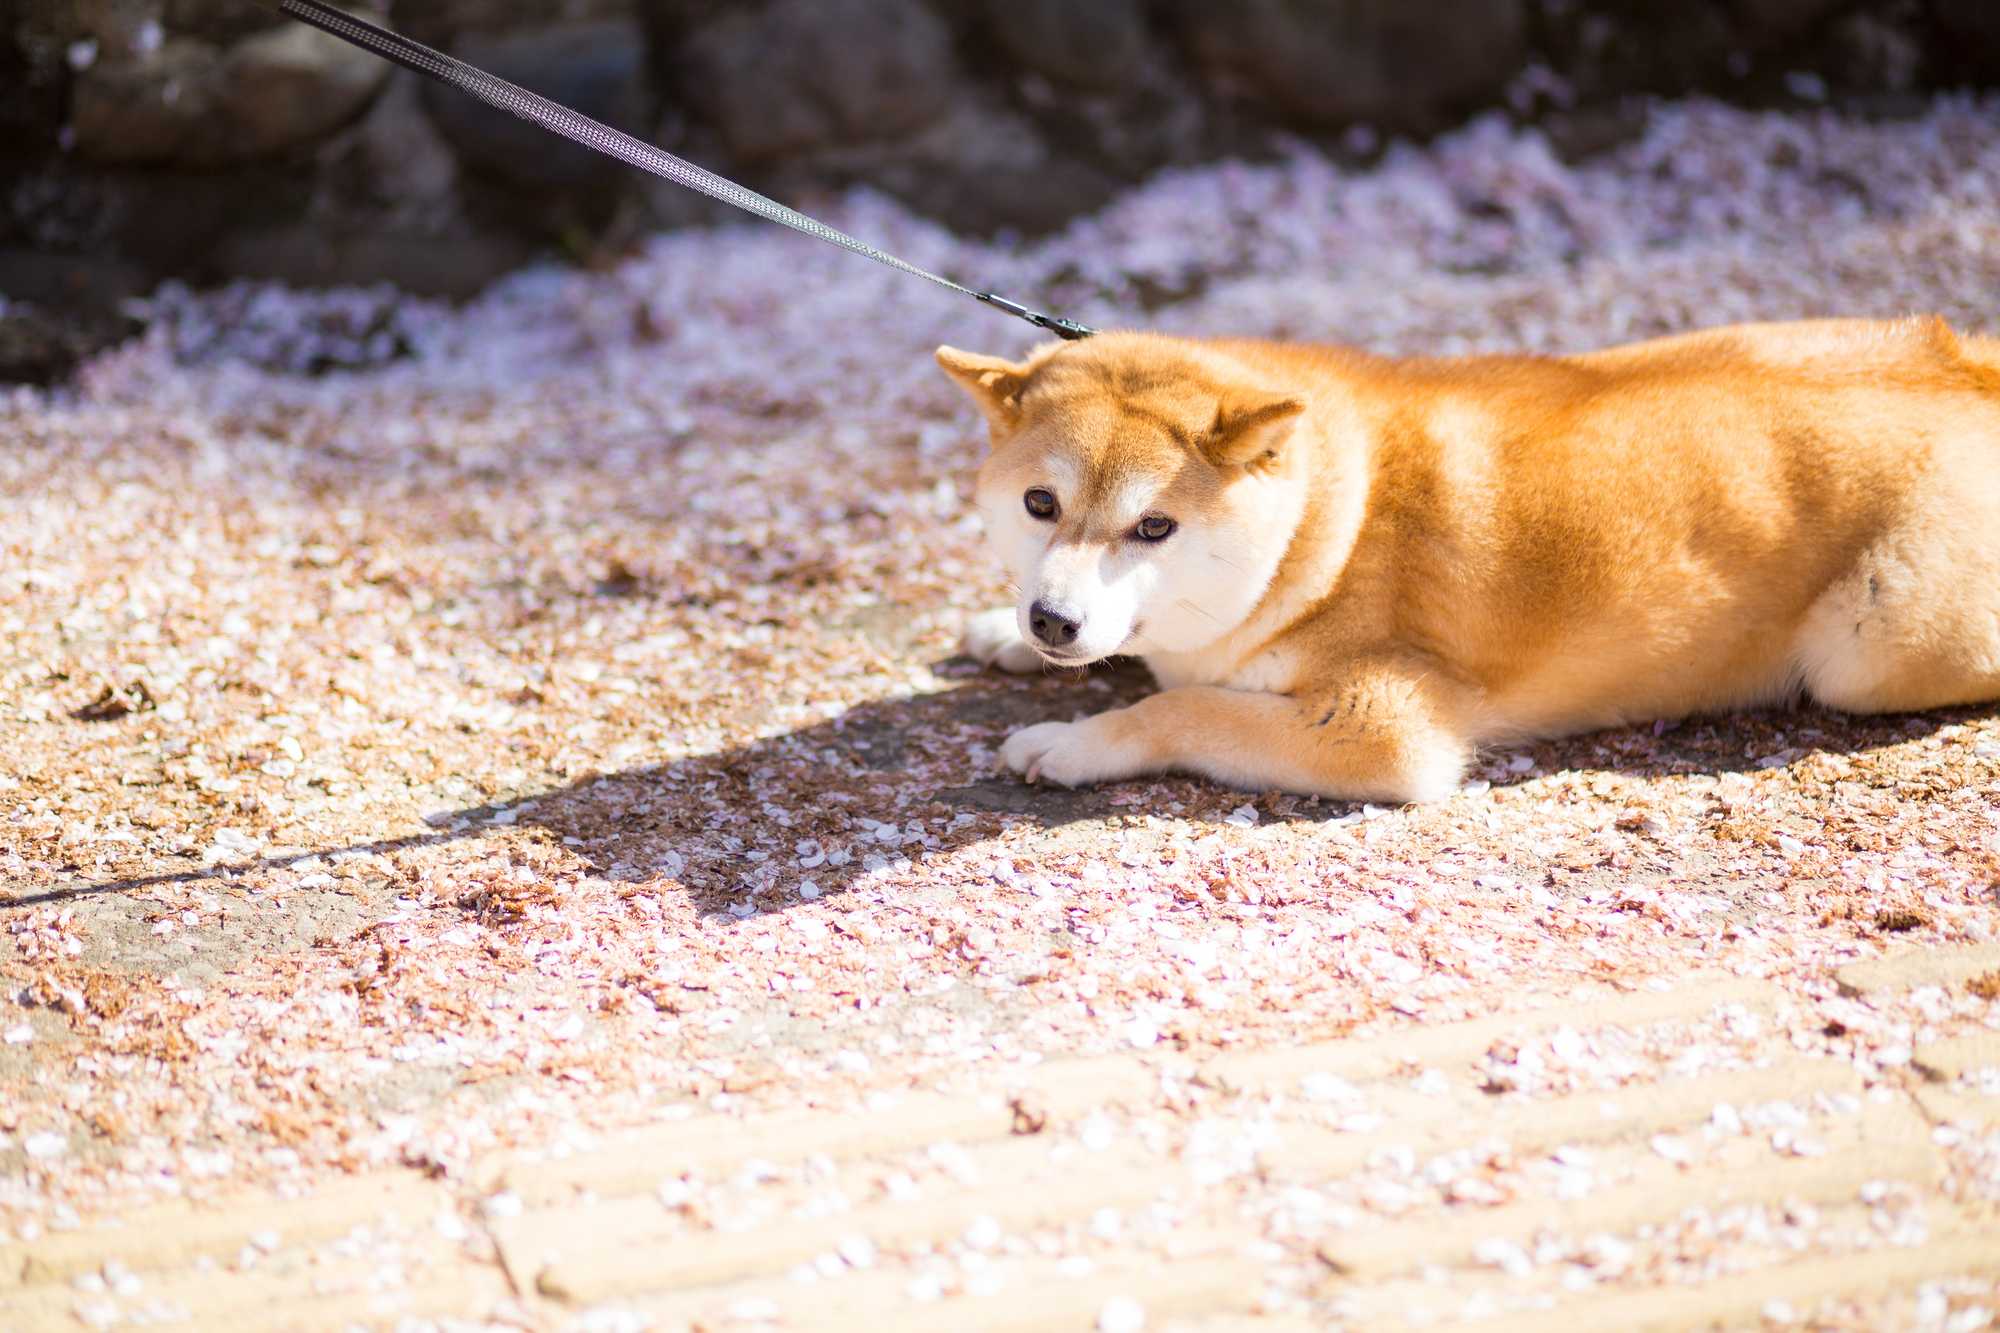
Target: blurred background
207, 140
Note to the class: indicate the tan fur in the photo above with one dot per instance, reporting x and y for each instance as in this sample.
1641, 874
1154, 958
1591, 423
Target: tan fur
1382, 565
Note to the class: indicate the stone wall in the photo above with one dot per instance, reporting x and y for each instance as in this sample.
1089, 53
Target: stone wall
207, 139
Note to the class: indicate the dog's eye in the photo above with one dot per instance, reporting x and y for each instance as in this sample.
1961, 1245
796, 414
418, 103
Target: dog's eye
1041, 502
1154, 528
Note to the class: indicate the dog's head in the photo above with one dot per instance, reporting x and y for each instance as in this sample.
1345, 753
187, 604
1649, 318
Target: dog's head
1140, 490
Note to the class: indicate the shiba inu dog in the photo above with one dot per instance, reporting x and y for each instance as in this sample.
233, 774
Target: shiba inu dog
1349, 572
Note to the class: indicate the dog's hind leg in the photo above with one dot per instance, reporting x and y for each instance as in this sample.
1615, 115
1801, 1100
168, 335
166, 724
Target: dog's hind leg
1386, 733
1914, 625
993, 638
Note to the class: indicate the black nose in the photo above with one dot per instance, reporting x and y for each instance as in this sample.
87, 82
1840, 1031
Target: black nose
1056, 630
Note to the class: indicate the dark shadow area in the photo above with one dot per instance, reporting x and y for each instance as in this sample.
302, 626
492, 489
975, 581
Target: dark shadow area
203, 142
839, 764
827, 803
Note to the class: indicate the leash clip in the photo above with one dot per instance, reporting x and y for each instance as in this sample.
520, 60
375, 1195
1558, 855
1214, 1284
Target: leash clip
1067, 329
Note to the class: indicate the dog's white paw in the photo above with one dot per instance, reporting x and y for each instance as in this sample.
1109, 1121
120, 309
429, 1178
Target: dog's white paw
993, 638
1060, 752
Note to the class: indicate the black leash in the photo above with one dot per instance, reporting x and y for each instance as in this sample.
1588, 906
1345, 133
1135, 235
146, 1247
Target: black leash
593, 134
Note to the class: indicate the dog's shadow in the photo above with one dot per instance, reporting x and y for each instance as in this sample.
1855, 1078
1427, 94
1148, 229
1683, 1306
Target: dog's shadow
870, 761
828, 804
743, 830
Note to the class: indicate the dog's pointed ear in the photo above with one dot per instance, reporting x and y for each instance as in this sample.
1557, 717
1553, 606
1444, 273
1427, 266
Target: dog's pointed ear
1252, 426
993, 384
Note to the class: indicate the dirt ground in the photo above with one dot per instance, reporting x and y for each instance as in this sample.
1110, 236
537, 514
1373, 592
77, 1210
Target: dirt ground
442, 782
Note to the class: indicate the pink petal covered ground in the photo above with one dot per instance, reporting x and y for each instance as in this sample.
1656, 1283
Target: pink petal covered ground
548, 714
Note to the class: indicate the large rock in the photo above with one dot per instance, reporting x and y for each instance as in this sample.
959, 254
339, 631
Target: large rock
1093, 44
390, 208
305, 256
982, 168
802, 75
1029, 201
157, 110
597, 68
439, 23
1396, 64
222, 21
195, 104
394, 170
290, 85
122, 27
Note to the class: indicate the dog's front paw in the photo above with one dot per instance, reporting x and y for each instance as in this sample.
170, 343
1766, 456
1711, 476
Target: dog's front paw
993, 638
1064, 753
